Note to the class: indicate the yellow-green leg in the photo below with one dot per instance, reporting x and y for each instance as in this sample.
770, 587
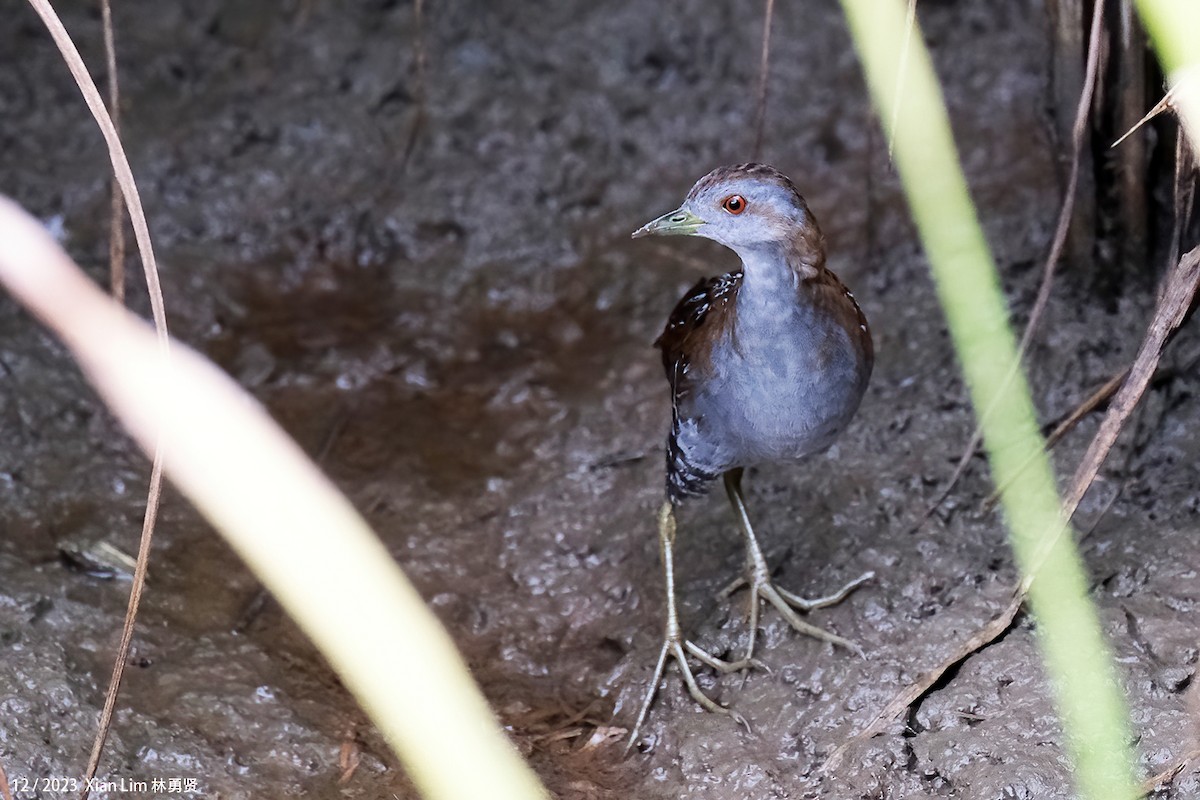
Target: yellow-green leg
758, 578
674, 645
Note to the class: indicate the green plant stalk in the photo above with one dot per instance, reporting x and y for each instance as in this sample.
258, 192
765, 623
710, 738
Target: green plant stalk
1173, 26
1074, 650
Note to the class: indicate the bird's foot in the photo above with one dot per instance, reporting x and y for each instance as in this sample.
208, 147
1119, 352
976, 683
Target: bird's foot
759, 581
675, 646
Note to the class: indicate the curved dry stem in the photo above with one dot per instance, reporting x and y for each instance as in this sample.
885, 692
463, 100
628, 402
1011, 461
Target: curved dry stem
124, 177
760, 104
116, 236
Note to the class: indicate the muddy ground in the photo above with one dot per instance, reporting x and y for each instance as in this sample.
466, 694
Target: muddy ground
463, 340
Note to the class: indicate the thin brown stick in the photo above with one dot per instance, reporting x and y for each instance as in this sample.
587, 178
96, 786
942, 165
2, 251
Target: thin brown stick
1057, 245
418, 123
1130, 165
960, 469
5, 791
116, 152
1184, 191
1067, 424
927, 680
1090, 404
349, 755
116, 239
131, 611
1073, 417
141, 230
1168, 102
1178, 291
1167, 775
1180, 198
760, 105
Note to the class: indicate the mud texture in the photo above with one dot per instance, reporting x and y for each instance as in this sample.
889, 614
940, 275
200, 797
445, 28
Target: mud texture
463, 340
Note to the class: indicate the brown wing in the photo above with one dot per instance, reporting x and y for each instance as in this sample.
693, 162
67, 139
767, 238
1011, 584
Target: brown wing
686, 345
692, 326
827, 291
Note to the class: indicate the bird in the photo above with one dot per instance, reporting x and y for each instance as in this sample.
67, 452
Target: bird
766, 364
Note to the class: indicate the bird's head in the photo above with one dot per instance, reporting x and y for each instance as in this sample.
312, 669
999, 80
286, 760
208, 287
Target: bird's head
744, 207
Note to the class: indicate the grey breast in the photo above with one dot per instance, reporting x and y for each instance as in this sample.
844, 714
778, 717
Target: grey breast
779, 392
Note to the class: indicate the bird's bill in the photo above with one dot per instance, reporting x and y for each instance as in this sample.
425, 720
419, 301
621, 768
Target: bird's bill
678, 223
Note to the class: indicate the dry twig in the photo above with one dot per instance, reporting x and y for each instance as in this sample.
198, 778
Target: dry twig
1179, 289
124, 174
349, 755
927, 680
1168, 102
1169, 774
1184, 191
760, 107
418, 123
116, 240
1068, 422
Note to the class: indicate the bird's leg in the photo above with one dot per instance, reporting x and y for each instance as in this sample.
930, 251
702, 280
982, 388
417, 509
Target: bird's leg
759, 579
674, 645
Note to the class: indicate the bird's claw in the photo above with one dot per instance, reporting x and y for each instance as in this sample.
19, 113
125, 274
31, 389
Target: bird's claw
678, 649
788, 603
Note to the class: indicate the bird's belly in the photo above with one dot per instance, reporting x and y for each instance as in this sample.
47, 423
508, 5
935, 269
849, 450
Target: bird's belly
771, 408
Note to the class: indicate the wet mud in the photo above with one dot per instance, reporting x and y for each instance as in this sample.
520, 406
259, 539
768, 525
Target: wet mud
462, 339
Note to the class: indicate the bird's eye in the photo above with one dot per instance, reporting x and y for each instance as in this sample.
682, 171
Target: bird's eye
734, 204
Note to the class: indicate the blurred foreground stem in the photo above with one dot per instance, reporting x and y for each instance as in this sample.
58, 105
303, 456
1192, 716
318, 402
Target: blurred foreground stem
1075, 653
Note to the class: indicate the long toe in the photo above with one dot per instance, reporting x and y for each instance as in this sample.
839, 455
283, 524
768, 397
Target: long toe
722, 666
811, 604
678, 650
706, 702
768, 592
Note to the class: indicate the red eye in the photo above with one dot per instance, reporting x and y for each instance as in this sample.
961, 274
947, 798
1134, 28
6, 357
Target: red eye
734, 204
